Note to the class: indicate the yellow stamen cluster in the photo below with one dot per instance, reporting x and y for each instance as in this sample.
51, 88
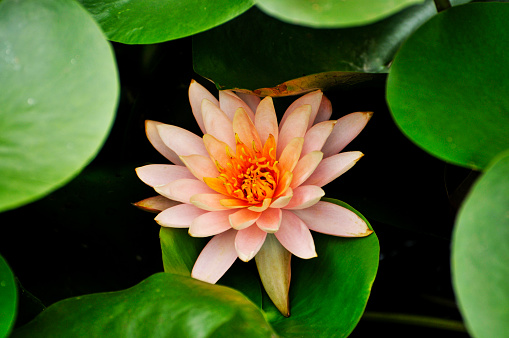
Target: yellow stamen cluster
251, 175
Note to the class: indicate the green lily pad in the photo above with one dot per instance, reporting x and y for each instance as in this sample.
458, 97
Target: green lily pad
480, 252
332, 13
8, 298
260, 53
152, 21
328, 294
59, 93
447, 85
163, 305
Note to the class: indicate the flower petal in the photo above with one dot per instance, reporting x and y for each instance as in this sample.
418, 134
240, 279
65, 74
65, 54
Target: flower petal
218, 150
284, 184
313, 99
305, 167
157, 142
261, 207
305, 196
210, 223
196, 95
248, 242
283, 200
234, 203
179, 216
245, 129
229, 102
345, 130
217, 123
181, 141
270, 220
290, 155
216, 184
273, 263
182, 190
155, 204
332, 167
161, 174
200, 166
243, 218
294, 235
324, 111
332, 219
266, 120
294, 126
209, 202
316, 136
216, 258
251, 100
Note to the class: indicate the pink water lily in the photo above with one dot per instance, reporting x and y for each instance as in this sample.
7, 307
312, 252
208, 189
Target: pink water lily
253, 184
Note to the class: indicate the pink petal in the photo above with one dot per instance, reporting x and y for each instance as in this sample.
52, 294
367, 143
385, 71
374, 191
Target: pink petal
316, 136
305, 167
217, 149
216, 258
243, 218
290, 155
295, 125
182, 190
313, 99
245, 129
264, 205
200, 166
210, 223
179, 216
181, 141
332, 219
273, 263
217, 123
305, 196
283, 200
294, 235
252, 100
155, 204
248, 242
345, 130
266, 120
324, 111
229, 102
161, 174
332, 167
157, 142
270, 220
196, 95
209, 202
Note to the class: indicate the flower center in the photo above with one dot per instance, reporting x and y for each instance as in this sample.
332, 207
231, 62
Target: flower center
251, 174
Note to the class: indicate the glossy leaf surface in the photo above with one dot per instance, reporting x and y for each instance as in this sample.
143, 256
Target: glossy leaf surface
59, 93
480, 253
152, 21
8, 298
447, 86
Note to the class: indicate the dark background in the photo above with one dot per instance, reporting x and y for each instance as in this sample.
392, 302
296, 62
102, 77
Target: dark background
87, 237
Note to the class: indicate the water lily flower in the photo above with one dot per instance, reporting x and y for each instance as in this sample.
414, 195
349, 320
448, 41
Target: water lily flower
253, 184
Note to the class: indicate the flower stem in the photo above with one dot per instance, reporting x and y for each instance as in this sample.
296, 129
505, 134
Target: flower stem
401, 318
442, 5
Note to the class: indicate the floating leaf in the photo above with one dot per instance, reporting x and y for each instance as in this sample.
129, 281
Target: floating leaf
480, 252
332, 13
447, 85
8, 298
59, 92
162, 305
152, 21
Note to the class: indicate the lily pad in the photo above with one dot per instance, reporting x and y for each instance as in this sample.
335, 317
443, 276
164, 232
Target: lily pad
447, 86
59, 93
480, 252
256, 51
332, 13
8, 298
152, 21
162, 305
